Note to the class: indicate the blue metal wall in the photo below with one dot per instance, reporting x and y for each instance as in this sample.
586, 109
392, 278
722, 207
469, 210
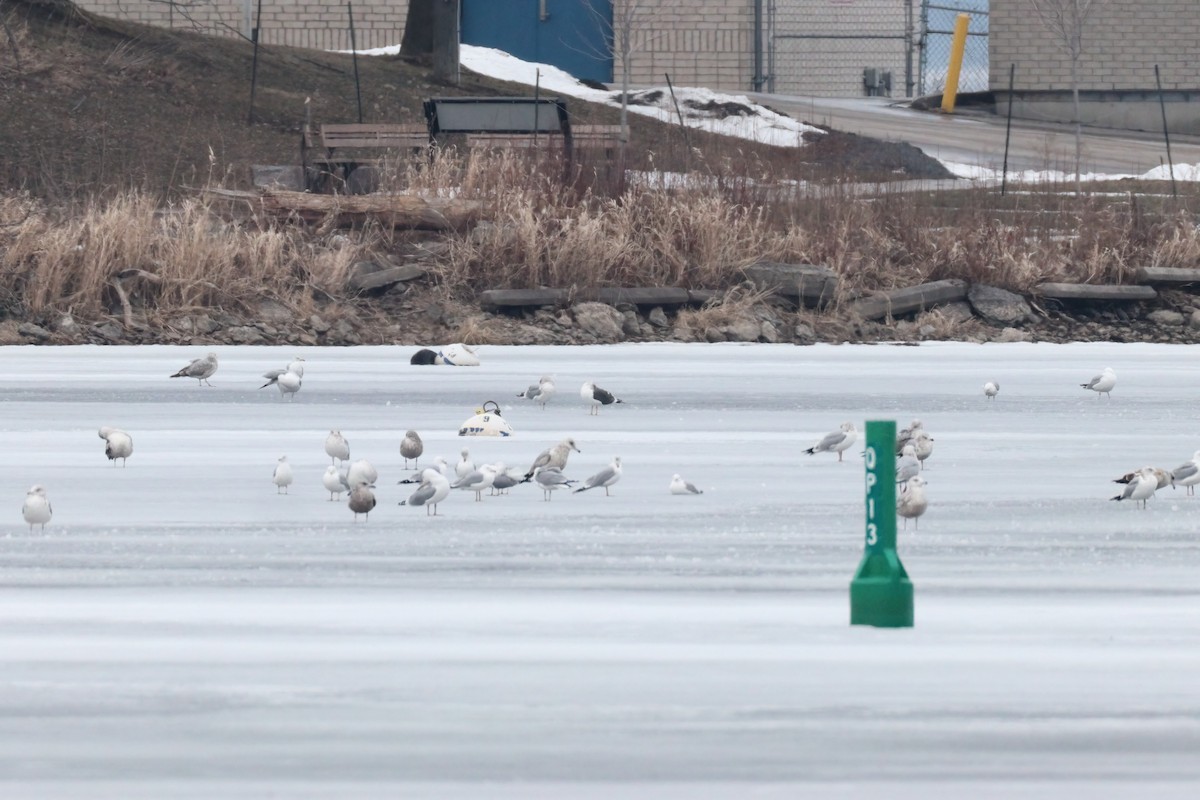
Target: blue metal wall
569, 37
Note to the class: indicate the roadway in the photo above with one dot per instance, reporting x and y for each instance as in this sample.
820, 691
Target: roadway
974, 137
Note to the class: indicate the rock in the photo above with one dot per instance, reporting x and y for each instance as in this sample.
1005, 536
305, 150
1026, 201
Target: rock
713, 335
809, 284
8, 333
244, 334
1194, 321
630, 325
926, 331
745, 328
658, 318
35, 332
1011, 335
274, 312
368, 276
957, 312
804, 333
600, 320
66, 324
998, 306
769, 333
109, 331
318, 324
1166, 318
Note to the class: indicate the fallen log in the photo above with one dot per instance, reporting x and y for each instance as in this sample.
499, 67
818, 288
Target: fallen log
912, 298
390, 210
807, 284
1177, 275
1092, 291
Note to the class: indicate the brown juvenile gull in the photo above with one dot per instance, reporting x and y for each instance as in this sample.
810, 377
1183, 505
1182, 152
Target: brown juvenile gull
555, 456
362, 500
411, 448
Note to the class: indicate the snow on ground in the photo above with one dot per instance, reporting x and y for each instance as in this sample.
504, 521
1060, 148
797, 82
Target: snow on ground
180, 630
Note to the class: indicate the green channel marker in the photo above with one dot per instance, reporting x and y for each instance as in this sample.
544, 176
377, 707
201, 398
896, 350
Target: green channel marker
881, 593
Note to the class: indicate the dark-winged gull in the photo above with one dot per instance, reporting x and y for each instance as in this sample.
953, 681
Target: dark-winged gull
1102, 383
411, 448
201, 369
433, 490
555, 456
680, 486
117, 444
283, 475
595, 397
551, 478
362, 500
605, 477
36, 509
836, 442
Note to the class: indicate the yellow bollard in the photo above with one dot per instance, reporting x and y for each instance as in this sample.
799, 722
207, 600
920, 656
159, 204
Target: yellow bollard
957, 48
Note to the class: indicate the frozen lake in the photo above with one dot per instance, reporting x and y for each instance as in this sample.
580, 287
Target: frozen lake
180, 630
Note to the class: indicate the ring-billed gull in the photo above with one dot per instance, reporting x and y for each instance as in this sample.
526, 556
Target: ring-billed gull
991, 389
551, 478
1141, 487
907, 465
605, 477
1187, 474
465, 465
433, 490
336, 446
541, 392
332, 481
680, 486
555, 456
288, 379
411, 448
201, 369
911, 502
362, 500
595, 397
36, 509
505, 479
283, 475
836, 442
1102, 383
476, 481
439, 464
117, 444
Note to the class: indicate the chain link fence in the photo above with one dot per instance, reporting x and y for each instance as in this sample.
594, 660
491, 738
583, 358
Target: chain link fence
886, 48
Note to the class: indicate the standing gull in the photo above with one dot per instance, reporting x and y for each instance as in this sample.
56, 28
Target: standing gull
991, 389
1141, 488
36, 510
551, 478
433, 490
360, 473
605, 477
541, 392
201, 369
505, 479
911, 503
411, 448
906, 435
465, 465
439, 464
595, 397
476, 481
332, 482
922, 445
283, 475
837, 442
1102, 383
555, 456
680, 486
288, 379
117, 444
1187, 474
336, 446
362, 500
907, 465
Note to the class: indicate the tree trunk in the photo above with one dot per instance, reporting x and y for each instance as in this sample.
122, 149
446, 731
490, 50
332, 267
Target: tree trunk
418, 29
445, 40
1078, 122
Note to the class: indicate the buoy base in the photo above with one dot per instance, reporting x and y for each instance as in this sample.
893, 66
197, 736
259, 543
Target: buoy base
881, 595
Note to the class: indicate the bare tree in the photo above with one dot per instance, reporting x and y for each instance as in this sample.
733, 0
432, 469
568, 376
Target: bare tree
431, 30
628, 17
1067, 20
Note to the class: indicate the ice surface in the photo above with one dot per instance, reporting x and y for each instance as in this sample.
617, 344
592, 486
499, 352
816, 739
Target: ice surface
180, 630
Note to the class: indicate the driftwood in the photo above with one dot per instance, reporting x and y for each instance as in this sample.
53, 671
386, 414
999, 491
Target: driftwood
1090, 291
913, 298
1177, 275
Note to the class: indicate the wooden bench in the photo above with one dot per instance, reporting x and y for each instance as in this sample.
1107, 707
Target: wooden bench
336, 150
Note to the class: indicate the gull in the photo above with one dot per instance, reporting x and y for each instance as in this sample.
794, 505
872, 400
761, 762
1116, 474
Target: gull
288, 379
333, 482
551, 478
362, 500
1102, 383
555, 456
1161, 476
433, 490
201, 369
465, 465
505, 479
836, 442
541, 392
283, 475
991, 389
906, 435
605, 477
336, 446
1140, 488
922, 445
36, 510
360, 473
439, 464
476, 481
117, 444
907, 465
411, 447
1187, 474
596, 397
912, 502
680, 486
